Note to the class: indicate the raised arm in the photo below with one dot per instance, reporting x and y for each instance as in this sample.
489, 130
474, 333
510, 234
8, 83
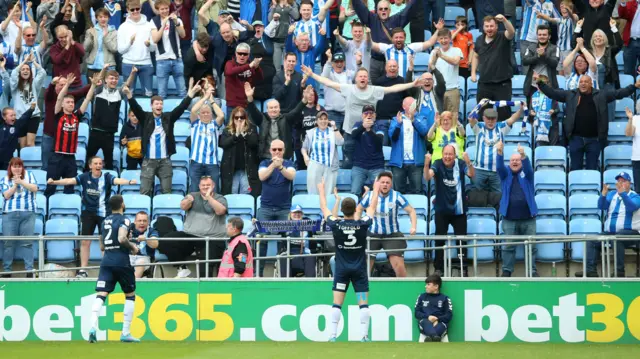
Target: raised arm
323, 80
428, 172
509, 32
63, 93
322, 14
630, 129
402, 87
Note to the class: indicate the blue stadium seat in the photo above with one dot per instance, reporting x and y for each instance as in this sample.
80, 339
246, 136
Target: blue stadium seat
621, 105
518, 17
178, 183
472, 89
145, 102
343, 183
584, 181
551, 252
420, 203
81, 156
472, 22
475, 33
181, 131
427, 34
518, 58
135, 203
117, 155
584, 205
32, 157
167, 205
471, 151
584, 226
310, 204
511, 149
551, 205
617, 156
241, 205
61, 250
63, 205
386, 150
331, 200
620, 62
609, 176
83, 135
515, 135
41, 203
616, 134
482, 227
421, 62
300, 182
421, 230
550, 181
562, 82
180, 159
626, 80
450, 14
517, 84
41, 178
130, 175
486, 212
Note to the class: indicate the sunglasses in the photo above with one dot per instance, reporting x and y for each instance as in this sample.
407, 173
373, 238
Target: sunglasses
134, 9
239, 117
30, 35
242, 54
277, 149
383, 9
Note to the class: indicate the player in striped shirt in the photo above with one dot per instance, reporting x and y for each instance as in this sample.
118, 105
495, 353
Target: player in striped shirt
385, 223
19, 188
310, 24
204, 139
623, 218
400, 51
488, 134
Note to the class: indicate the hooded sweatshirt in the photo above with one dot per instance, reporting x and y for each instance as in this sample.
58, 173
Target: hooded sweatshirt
137, 53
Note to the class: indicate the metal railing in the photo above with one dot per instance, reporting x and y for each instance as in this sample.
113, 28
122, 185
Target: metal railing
607, 243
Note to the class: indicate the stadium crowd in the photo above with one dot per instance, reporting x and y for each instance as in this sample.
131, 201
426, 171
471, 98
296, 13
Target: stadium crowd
475, 122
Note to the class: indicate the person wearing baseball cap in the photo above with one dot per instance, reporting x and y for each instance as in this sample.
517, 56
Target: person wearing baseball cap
368, 158
489, 133
623, 219
335, 70
262, 47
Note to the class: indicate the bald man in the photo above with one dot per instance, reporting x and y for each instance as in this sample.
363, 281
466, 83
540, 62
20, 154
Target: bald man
389, 106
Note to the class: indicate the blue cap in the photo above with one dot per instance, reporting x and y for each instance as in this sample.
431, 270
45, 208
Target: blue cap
623, 175
296, 208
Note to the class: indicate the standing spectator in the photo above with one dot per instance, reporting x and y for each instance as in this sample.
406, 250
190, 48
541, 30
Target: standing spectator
26, 83
433, 310
169, 29
622, 219
396, 7
158, 141
62, 163
46, 12
208, 12
492, 58
240, 159
348, 17
632, 130
566, 25
262, 48
390, 104
631, 35
134, 44
430, 96
533, 16
401, 52
586, 122
517, 205
273, 125
183, 9
541, 57
446, 131
447, 59
307, 121
115, 13
488, 133
357, 50
197, 62
334, 69
74, 20
385, 222
288, 84
281, 14
239, 71
237, 260
131, 138
66, 56
11, 26
596, 15
27, 45
306, 52
463, 40
9, 131
543, 116
19, 188
368, 157
320, 152
433, 11
578, 63
204, 139
450, 202
407, 148
100, 44
96, 191
311, 24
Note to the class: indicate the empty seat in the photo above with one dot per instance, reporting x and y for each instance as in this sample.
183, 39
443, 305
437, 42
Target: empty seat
32, 157
420, 203
179, 183
584, 205
180, 159
135, 203
181, 131
130, 175
472, 90
81, 156
552, 205
61, 250
551, 156
421, 62
516, 135
609, 176
41, 178
343, 182
167, 205
550, 181
616, 134
551, 252
584, 181
620, 109
241, 205
300, 182
482, 227
41, 203
584, 226
488, 212
617, 156
517, 85
421, 230
83, 134
450, 14
63, 205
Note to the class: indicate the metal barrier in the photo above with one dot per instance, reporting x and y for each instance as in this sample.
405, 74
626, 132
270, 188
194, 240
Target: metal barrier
528, 241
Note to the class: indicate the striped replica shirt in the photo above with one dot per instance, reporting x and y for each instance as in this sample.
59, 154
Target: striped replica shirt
157, 148
96, 192
311, 27
574, 79
530, 21
622, 210
565, 34
401, 56
385, 221
36, 50
204, 142
322, 146
486, 155
22, 200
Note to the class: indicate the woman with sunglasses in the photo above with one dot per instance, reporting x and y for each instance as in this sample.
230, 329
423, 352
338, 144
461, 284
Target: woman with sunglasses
239, 167
204, 140
320, 153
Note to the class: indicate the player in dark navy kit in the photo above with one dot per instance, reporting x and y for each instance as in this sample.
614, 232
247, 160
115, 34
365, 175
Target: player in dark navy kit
433, 311
115, 268
350, 236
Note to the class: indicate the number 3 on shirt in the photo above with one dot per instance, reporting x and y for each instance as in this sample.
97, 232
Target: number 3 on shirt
352, 238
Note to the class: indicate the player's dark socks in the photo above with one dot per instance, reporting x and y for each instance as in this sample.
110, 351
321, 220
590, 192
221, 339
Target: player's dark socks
336, 306
436, 338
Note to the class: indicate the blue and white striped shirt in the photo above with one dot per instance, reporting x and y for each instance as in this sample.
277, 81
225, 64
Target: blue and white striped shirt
321, 147
486, 156
311, 27
565, 34
385, 220
204, 142
401, 56
574, 80
157, 148
542, 104
620, 216
530, 21
22, 200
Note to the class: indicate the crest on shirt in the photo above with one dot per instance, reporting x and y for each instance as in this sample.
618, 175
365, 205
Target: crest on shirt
12, 130
522, 174
425, 303
439, 304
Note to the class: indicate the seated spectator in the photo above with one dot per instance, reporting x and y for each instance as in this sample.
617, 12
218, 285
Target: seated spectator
10, 129
205, 133
205, 216
131, 138
100, 44
72, 20
288, 84
19, 188
334, 69
197, 62
307, 121
368, 157
390, 104
433, 310
320, 153
447, 59
26, 44
543, 115
262, 48
622, 207
240, 159
281, 14
407, 148
158, 141
66, 56
140, 232
517, 206
632, 130
299, 266
239, 71
446, 131
168, 31
134, 44
577, 63
357, 50
237, 260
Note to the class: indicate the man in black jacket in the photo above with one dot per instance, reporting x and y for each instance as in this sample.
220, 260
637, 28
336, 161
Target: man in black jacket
158, 142
586, 123
198, 65
596, 15
10, 128
262, 47
288, 85
541, 58
388, 107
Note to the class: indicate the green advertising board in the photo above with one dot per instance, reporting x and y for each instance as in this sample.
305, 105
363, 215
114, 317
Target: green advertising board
511, 311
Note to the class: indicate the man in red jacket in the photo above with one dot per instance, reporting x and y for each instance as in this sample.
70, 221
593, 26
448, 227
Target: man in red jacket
66, 56
237, 71
627, 10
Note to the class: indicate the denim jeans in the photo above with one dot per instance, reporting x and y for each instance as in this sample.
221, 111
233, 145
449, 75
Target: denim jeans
578, 147
145, 72
47, 149
412, 173
240, 184
269, 214
594, 247
487, 181
631, 56
360, 176
433, 11
197, 170
18, 223
338, 117
174, 68
347, 151
152, 168
521, 227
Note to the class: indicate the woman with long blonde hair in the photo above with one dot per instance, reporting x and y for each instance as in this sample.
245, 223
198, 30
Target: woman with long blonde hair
239, 166
446, 130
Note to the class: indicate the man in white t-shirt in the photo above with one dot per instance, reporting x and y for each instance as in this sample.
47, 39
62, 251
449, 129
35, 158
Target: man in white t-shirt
446, 59
357, 95
166, 35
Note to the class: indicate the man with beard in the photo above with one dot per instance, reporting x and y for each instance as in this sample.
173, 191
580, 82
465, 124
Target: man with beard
541, 58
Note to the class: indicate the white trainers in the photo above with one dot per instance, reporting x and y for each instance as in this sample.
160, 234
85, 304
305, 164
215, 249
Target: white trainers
183, 273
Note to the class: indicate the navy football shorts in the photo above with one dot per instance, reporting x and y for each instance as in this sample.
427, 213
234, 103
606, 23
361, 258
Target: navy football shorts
344, 276
109, 276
